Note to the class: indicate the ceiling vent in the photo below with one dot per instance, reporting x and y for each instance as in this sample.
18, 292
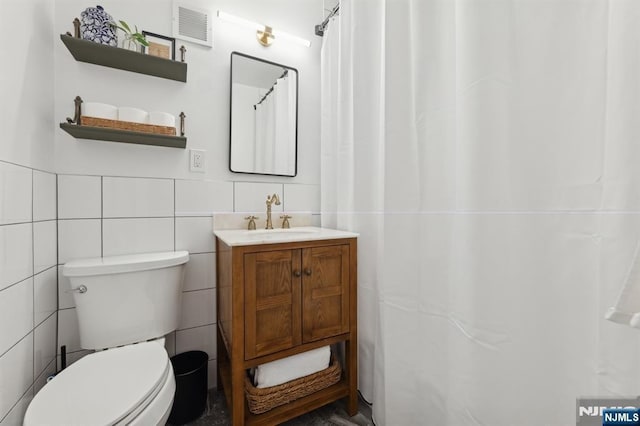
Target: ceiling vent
192, 24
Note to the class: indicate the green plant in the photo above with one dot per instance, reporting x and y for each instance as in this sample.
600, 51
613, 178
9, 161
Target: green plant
135, 37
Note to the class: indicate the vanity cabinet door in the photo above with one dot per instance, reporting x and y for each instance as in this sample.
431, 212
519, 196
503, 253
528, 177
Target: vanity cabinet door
272, 302
325, 292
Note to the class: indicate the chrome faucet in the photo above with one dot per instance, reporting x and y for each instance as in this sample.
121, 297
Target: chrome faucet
271, 199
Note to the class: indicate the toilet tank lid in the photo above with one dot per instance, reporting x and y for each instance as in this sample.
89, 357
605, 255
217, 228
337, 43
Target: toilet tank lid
126, 263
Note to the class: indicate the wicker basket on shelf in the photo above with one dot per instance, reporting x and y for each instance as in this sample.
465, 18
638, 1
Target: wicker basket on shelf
127, 125
261, 400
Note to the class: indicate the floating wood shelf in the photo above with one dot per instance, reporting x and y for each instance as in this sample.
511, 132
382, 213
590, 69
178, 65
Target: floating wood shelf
117, 135
128, 60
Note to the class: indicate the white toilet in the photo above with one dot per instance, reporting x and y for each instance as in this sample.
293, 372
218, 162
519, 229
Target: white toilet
125, 304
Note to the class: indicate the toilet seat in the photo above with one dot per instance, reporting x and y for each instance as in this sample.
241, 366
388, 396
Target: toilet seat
105, 388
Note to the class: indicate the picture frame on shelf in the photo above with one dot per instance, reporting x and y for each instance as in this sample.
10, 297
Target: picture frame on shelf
159, 45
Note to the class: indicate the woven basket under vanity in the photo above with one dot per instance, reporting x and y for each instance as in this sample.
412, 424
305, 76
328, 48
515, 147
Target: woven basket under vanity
261, 400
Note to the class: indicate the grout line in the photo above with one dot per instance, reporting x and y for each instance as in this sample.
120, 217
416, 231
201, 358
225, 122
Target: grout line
199, 289
16, 343
33, 283
42, 322
101, 216
16, 223
196, 326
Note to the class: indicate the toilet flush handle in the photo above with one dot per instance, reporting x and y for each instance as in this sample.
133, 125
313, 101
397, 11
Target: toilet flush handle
80, 289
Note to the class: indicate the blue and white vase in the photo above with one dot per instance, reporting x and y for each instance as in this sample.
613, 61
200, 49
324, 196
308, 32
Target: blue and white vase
98, 26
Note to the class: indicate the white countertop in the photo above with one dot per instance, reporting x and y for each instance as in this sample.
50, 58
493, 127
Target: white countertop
243, 237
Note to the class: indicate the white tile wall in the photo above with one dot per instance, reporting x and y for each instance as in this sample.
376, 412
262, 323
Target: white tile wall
301, 198
140, 235
45, 293
134, 215
135, 197
198, 308
65, 299
68, 332
203, 198
44, 342
80, 238
16, 370
28, 303
15, 194
195, 234
44, 245
15, 416
16, 307
16, 253
252, 196
197, 338
44, 196
79, 197
200, 272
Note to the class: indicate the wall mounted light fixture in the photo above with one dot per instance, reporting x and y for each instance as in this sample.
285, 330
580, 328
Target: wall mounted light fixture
264, 33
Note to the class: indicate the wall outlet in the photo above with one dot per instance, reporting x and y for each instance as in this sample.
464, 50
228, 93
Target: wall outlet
196, 160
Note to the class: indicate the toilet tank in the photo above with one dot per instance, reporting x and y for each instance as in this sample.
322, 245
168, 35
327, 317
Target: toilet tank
126, 299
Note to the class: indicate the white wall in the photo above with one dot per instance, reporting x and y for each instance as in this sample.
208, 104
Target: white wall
28, 297
204, 98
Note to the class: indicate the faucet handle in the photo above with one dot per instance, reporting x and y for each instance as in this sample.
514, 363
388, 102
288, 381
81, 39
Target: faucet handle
285, 222
252, 222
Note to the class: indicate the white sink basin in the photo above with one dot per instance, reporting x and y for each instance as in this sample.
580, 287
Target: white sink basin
239, 237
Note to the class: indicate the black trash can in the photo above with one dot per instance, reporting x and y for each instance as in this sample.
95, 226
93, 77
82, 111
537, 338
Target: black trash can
190, 370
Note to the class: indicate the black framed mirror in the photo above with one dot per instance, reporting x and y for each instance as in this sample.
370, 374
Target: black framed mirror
264, 117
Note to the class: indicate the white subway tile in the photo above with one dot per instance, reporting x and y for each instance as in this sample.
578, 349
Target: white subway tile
44, 195
15, 194
202, 197
252, 196
16, 371
45, 245
68, 331
195, 234
79, 197
197, 339
16, 415
44, 345
137, 197
45, 294
65, 298
301, 198
200, 272
198, 308
145, 235
16, 253
16, 309
78, 239
212, 373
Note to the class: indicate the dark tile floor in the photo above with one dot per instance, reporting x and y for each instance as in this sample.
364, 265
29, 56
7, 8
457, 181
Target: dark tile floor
333, 414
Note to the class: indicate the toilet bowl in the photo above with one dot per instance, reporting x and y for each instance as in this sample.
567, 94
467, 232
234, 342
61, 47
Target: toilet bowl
131, 385
125, 304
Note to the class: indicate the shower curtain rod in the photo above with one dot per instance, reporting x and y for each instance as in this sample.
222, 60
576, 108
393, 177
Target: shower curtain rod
321, 27
284, 74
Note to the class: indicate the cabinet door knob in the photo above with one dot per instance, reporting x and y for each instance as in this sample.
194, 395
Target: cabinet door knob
307, 272
296, 273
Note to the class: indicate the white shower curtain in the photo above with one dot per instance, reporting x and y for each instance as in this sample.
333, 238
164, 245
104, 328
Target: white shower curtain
487, 152
275, 129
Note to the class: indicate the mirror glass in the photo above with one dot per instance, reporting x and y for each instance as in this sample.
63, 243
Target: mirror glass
264, 117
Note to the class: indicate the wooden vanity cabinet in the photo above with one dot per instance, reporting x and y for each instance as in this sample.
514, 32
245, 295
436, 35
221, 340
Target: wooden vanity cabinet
277, 300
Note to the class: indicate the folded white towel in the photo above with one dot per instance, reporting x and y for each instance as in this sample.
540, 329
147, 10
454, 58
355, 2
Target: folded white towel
627, 309
293, 367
